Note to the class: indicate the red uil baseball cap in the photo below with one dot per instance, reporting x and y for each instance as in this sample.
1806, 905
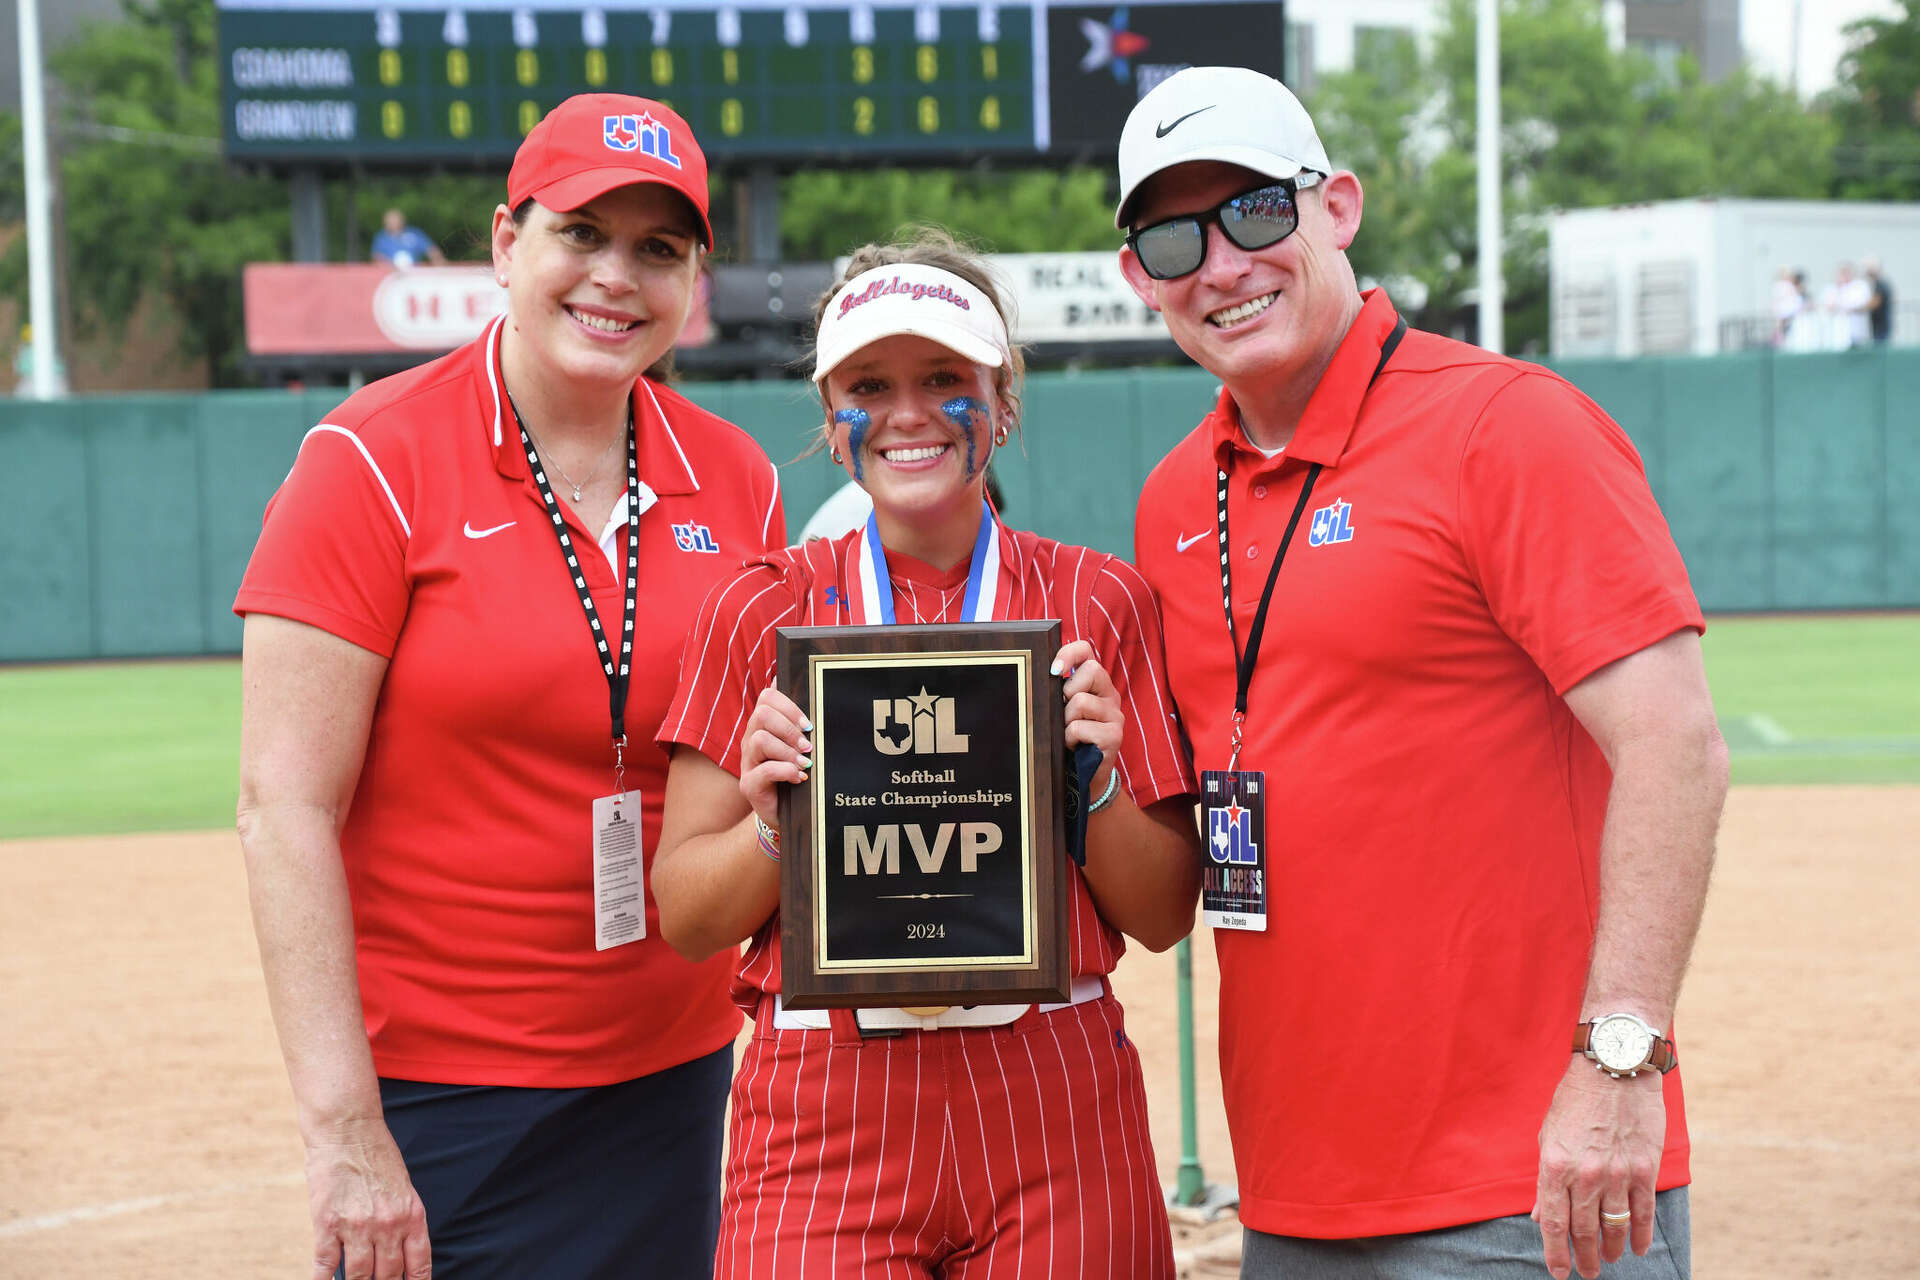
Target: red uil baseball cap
594, 142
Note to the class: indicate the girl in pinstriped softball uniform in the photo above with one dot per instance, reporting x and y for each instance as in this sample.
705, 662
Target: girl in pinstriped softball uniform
974, 1141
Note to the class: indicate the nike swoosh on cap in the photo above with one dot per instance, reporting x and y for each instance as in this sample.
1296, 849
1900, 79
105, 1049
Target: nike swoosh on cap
1181, 544
1162, 130
472, 532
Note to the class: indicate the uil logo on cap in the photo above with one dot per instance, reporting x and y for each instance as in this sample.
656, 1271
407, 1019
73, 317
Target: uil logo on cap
640, 133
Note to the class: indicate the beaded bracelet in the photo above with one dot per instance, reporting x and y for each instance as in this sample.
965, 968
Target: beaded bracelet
1106, 797
768, 837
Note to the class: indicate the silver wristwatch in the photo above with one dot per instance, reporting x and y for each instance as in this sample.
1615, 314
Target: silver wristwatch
1622, 1044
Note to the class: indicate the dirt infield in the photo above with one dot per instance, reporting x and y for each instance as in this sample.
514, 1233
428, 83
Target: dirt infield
146, 1129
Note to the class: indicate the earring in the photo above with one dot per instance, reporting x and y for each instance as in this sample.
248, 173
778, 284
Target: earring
1000, 434
838, 461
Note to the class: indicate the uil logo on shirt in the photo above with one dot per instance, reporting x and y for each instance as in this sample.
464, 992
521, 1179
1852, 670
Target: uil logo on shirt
1230, 836
922, 724
1330, 524
695, 537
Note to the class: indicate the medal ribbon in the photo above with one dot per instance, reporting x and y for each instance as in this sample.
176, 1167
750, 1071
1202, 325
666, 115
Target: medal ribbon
1244, 662
983, 575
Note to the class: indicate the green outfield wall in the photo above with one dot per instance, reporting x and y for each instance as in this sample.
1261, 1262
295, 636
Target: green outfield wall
1791, 482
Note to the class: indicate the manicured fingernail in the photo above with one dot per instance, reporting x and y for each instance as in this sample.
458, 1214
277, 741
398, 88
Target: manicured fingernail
1055, 668
806, 747
806, 760
806, 725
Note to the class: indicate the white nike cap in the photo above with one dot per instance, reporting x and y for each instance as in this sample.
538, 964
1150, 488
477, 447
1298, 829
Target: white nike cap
1229, 114
909, 297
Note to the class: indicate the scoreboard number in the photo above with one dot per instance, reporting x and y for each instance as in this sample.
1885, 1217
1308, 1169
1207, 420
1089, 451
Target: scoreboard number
406, 82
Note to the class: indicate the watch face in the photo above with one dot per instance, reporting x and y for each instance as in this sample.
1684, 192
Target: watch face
1621, 1044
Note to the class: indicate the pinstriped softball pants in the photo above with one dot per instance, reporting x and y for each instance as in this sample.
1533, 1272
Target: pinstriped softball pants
966, 1153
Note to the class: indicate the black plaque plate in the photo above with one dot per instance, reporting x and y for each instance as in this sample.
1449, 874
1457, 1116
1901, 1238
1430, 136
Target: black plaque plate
925, 861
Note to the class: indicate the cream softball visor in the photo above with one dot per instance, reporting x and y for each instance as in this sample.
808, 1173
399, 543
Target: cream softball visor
910, 298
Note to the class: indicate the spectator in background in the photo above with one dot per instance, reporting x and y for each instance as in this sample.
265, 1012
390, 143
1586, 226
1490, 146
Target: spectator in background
1788, 299
1804, 327
404, 245
1852, 299
1880, 304
23, 364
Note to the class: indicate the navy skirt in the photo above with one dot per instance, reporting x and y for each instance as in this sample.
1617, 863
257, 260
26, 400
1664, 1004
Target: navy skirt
619, 1180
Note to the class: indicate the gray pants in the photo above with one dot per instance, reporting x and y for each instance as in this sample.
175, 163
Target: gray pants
1502, 1249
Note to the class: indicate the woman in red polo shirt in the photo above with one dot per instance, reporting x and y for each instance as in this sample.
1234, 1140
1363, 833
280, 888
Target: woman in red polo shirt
901, 1142
450, 790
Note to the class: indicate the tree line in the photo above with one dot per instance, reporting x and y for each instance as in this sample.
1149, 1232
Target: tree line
151, 208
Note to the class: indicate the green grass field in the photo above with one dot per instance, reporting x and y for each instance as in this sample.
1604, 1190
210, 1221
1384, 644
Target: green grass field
1818, 699
153, 746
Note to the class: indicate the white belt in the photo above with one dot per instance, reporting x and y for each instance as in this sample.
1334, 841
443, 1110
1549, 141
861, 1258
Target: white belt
1084, 988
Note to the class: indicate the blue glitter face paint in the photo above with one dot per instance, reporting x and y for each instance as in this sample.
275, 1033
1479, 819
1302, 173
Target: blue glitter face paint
856, 422
970, 416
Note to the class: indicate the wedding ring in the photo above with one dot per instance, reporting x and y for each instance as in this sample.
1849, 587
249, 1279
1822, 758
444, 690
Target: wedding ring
1615, 1219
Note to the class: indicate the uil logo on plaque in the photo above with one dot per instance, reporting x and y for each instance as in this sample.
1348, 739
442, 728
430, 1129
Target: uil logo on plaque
930, 781
922, 724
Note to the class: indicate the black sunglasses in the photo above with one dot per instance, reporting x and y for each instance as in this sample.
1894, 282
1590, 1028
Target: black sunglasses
1253, 220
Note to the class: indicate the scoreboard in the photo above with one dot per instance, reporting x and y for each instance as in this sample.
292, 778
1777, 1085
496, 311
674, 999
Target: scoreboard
407, 81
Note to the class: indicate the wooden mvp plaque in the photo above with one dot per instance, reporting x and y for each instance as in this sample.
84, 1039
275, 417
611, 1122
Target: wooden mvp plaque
925, 859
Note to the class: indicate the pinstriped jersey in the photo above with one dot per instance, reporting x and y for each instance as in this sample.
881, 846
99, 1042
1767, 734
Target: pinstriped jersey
729, 659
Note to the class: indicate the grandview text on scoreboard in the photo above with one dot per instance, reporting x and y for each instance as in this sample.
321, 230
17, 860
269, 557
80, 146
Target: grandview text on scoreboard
412, 80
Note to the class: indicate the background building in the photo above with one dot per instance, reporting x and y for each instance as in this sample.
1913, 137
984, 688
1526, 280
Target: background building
1338, 35
1665, 29
1697, 277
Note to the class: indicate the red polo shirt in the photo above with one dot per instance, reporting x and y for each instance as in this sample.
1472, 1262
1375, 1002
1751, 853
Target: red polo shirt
411, 526
1481, 540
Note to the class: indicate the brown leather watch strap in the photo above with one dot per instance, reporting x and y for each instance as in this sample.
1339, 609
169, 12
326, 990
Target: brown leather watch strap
1663, 1057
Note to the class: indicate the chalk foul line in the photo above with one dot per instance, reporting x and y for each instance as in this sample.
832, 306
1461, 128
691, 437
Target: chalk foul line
142, 1204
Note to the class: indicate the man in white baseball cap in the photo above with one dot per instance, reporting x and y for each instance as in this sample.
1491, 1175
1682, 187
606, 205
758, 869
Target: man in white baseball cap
1439, 662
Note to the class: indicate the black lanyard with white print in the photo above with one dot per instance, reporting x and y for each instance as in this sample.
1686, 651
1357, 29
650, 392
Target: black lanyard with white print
617, 676
1244, 662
